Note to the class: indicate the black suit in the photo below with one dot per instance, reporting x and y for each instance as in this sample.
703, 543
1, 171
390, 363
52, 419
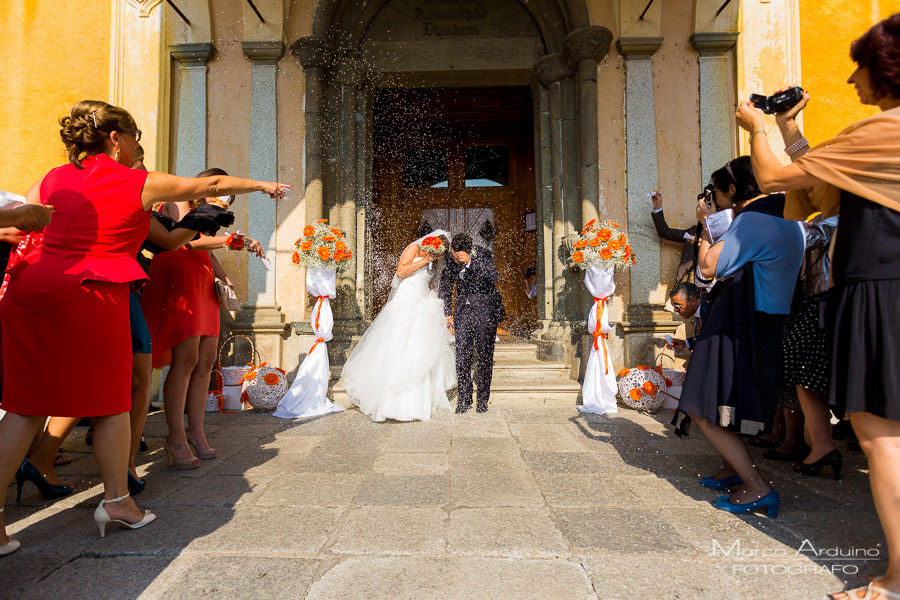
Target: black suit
478, 311
690, 250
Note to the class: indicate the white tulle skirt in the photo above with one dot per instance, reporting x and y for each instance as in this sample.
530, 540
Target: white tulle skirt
404, 364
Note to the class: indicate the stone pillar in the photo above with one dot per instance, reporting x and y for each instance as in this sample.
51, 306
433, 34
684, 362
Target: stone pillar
260, 317
585, 48
543, 201
191, 141
645, 315
551, 71
716, 106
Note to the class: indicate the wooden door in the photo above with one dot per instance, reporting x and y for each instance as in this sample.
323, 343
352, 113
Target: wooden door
457, 158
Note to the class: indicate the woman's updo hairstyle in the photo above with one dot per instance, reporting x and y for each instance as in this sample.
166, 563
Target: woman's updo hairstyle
878, 51
88, 124
739, 173
212, 172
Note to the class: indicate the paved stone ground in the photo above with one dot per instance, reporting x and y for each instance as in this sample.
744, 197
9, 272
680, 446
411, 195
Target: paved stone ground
526, 501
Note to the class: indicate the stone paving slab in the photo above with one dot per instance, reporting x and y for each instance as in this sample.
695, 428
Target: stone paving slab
531, 500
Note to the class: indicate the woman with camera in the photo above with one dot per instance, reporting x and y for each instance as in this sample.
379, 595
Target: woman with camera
857, 174
733, 379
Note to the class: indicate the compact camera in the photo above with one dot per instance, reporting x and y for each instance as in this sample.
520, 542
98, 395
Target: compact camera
778, 102
707, 195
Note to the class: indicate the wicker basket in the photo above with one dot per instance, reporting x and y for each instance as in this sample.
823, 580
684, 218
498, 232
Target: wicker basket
235, 375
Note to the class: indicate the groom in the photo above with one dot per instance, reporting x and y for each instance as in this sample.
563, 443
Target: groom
478, 311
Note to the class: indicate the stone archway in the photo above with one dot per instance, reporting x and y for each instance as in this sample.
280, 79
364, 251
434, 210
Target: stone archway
344, 65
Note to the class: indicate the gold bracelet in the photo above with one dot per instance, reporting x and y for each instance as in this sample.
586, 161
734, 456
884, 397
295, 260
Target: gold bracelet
753, 135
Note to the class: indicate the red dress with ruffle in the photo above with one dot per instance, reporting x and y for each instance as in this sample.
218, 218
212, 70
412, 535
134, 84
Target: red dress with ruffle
180, 301
66, 334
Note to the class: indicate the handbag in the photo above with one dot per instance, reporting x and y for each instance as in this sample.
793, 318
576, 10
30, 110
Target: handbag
227, 298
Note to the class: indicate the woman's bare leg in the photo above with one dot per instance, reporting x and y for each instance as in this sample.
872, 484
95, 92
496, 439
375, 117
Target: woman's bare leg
58, 429
141, 370
16, 435
818, 421
198, 389
112, 439
175, 390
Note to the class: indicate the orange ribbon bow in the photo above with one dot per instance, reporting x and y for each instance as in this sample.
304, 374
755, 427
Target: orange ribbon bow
598, 333
314, 345
319, 301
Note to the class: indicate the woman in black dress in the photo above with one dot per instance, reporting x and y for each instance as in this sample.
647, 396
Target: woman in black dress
857, 174
732, 383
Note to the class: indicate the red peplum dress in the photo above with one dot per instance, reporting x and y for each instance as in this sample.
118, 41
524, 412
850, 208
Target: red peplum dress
180, 301
66, 334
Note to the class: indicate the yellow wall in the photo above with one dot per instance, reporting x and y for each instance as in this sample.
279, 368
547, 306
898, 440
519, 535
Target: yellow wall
826, 32
50, 57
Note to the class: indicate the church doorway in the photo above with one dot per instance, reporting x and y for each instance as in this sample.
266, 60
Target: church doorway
460, 159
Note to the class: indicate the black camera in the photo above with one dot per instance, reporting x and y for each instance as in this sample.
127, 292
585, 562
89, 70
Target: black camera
778, 102
707, 195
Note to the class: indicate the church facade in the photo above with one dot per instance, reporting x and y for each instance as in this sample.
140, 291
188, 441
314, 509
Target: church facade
515, 120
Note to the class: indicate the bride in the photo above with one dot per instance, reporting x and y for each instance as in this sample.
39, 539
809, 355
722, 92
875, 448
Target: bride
404, 364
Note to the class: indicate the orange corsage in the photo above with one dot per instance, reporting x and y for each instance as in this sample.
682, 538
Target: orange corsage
635, 394
649, 387
642, 368
306, 246
337, 232
295, 258
624, 372
578, 256
328, 238
271, 379
595, 241
614, 245
340, 246
606, 254
309, 231
604, 235
324, 253
581, 244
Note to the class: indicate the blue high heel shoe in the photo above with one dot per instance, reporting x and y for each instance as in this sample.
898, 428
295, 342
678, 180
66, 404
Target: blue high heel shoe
770, 501
721, 484
135, 485
49, 491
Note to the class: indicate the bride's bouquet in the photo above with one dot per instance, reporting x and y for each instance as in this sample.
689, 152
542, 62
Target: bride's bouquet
322, 247
602, 245
434, 245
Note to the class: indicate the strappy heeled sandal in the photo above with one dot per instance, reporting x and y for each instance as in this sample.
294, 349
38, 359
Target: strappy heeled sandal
102, 518
871, 593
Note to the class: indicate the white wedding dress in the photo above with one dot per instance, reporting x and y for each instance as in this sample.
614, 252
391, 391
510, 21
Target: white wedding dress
404, 364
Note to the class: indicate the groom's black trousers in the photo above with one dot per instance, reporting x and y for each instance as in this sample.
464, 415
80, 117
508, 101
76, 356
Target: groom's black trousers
473, 329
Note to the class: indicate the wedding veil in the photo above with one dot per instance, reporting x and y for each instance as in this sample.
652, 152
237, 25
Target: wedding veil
395, 283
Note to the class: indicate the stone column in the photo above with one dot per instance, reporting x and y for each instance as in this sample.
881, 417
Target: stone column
190, 151
716, 106
585, 48
550, 71
644, 316
261, 318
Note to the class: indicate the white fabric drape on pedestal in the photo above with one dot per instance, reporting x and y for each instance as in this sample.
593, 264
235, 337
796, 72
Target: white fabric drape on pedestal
307, 396
598, 393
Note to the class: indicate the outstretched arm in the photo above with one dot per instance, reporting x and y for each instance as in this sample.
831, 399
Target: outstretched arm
162, 187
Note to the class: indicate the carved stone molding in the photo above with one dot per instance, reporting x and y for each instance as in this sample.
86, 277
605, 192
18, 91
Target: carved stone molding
551, 68
192, 54
638, 47
350, 72
263, 53
312, 52
144, 7
714, 43
588, 43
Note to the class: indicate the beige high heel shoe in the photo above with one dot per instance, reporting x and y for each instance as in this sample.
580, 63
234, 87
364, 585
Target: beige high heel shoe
181, 464
10, 546
203, 453
102, 518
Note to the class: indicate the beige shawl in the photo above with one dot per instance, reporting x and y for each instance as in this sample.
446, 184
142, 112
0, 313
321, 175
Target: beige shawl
863, 159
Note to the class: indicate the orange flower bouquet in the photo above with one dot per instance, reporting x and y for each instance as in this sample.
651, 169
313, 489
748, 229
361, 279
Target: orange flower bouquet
322, 247
433, 245
602, 245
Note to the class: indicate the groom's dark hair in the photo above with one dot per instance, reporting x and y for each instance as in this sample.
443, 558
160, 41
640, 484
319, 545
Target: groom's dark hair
462, 242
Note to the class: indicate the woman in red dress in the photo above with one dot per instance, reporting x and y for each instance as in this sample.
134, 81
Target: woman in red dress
65, 320
182, 312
